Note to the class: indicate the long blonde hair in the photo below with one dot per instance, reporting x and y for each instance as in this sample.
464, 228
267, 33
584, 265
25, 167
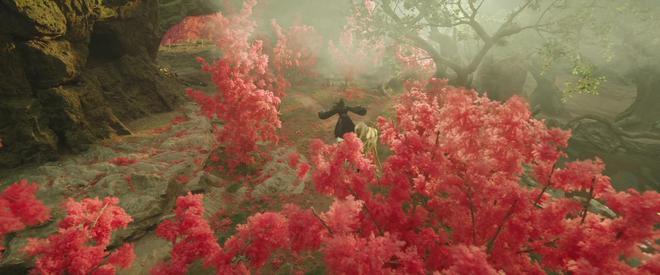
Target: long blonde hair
369, 137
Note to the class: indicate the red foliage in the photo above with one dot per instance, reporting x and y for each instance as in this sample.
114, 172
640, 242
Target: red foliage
257, 240
294, 163
466, 189
415, 63
305, 230
451, 201
468, 260
582, 175
182, 179
123, 161
191, 236
19, 207
193, 239
343, 216
248, 95
336, 165
457, 164
294, 159
190, 29
122, 257
80, 246
303, 169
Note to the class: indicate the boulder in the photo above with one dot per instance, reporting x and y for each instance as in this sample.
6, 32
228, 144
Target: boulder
13, 79
25, 133
53, 62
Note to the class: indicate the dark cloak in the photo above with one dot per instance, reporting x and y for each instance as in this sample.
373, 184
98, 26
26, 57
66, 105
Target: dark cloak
344, 123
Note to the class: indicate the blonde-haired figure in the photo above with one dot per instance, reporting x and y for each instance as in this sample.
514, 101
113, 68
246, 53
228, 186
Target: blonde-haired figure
369, 137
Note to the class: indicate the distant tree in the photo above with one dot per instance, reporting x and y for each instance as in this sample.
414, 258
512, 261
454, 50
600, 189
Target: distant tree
438, 26
634, 26
614, 41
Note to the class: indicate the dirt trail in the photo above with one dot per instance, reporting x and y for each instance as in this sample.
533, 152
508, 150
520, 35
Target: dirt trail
307, 101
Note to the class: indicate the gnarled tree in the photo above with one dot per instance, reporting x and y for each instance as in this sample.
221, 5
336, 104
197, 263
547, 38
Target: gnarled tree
436, 26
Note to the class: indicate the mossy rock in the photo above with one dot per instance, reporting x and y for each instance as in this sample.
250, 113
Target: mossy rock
30, 18
53, 62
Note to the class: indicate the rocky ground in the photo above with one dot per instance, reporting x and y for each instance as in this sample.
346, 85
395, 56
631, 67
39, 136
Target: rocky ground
146, 171
165, 157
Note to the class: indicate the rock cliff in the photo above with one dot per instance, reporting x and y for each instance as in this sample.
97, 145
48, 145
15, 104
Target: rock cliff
73, 71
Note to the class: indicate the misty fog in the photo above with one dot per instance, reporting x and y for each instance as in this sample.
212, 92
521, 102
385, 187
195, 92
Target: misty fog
329, 137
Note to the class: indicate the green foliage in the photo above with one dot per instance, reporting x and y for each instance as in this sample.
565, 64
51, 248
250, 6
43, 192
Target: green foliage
550, 52
586, 82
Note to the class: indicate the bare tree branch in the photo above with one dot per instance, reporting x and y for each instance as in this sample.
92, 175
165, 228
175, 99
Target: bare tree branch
420, 42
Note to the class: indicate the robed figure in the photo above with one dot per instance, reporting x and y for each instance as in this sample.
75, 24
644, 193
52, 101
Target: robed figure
344, 123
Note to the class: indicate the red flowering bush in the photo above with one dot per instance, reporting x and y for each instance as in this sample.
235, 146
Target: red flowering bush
452, 199
301, 167
452, 191
190, 234
248, 95
193, 239
80, 246
19, 208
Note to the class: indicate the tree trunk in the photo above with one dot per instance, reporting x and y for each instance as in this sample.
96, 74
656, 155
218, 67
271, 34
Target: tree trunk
460, 80
546, 95
501, 79
644, 113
